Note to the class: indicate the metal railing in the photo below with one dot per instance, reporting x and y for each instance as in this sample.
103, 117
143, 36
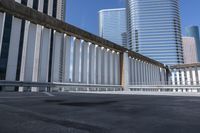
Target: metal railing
55, 86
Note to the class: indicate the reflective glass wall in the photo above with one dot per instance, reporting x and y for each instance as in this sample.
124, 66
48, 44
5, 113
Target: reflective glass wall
154, 29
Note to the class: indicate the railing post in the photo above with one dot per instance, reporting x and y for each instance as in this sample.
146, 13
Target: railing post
124, 70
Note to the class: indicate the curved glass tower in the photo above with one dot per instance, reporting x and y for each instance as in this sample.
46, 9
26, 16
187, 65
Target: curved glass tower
154, 29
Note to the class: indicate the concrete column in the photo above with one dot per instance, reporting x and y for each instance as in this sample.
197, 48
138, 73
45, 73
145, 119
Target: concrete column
92, 64
118, 69
103, 65
194, 77
30, 53
139, 72
106, 67
183, 76
24, 52
198, 71
67, 48
136, 71
133, 71
44, 55
124, 70
157, 80
152, 74
13, 50
178, 77
37, 53
98, 65
95, 64
2, 21
188, 77
143, 72
149, 71
173, 78
114, 68
56, 59
109, 64
76, 61
130, 68
157, 76
111, 68
85, 63
191, 77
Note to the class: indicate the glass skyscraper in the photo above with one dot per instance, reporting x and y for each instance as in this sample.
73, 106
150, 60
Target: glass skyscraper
154, 29
112, 25
193, 31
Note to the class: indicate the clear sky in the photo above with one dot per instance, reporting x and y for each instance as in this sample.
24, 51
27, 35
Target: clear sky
84, 13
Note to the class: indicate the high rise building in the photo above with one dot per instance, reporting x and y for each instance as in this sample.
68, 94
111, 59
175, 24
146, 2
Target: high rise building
112, 25
189, 50
193, 31
55, 8
20, 42
154, 29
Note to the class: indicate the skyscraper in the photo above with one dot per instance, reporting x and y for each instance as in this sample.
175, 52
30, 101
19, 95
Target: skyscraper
55, 8
189, 50
20, 41
154, 29
112, 25
193, 31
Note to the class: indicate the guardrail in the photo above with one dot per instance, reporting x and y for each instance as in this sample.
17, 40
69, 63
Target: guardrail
38, 86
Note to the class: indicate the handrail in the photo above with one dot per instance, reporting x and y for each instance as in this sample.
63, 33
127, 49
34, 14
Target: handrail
54, 84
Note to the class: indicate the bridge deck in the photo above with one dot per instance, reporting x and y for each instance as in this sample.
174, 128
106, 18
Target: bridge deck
86, 113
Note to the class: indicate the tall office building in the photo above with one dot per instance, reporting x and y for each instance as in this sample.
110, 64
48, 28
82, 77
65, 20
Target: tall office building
21, 52
112, 25
189, 50
55, 8
154, 29
193, 31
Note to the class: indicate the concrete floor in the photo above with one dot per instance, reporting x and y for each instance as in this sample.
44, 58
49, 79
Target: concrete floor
91, 113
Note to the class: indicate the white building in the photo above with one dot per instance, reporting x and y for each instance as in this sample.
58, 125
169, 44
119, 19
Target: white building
189, 50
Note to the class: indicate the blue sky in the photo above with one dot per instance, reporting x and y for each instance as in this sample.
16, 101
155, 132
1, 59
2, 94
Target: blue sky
84, 13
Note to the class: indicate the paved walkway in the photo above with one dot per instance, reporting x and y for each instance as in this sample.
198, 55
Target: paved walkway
92, 113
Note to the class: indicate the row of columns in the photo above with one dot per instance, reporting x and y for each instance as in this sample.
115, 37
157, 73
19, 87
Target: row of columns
88, 63
72, 60
143, 73
185, 76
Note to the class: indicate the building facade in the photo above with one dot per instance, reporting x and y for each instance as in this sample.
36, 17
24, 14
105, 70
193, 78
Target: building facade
193, 31
112, 25
189, 50
21, 52
153, 29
